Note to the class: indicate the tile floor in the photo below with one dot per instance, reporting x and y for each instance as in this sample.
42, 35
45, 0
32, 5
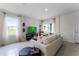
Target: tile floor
68, 49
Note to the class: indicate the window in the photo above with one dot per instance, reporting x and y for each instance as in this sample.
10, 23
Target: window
11, 24
48, 28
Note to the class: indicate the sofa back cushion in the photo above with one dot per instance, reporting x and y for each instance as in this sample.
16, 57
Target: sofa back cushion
50, 39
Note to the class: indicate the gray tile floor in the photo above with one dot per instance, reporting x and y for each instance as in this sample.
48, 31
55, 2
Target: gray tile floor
68, 49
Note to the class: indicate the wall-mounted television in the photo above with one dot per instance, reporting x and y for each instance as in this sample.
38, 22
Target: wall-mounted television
31, 29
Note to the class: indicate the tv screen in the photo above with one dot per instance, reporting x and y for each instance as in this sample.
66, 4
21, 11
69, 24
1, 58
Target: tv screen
31, 29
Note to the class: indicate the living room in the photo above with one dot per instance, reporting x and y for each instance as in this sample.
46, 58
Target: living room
39, 29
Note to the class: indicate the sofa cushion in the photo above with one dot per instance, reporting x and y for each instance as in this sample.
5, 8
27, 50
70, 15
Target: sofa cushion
50, 39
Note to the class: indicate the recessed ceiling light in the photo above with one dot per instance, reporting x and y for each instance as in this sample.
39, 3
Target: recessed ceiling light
46, 9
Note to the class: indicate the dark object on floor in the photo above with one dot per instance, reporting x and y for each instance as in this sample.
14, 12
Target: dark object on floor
35, 37
30, 51
29, 36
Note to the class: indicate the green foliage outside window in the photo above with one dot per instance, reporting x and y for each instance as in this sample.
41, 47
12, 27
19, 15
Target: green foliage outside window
11, 31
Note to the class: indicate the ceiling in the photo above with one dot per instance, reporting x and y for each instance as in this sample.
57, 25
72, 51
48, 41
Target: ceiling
40, 10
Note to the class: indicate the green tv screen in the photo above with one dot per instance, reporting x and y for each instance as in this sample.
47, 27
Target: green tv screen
31, 29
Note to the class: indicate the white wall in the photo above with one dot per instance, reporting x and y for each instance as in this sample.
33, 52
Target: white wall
57, 24
67, 25
48, 21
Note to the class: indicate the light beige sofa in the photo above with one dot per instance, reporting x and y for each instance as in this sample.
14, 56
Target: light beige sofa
50, 45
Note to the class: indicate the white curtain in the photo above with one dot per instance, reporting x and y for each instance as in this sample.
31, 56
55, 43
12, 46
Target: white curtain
2, 16
10, 21
4, 37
